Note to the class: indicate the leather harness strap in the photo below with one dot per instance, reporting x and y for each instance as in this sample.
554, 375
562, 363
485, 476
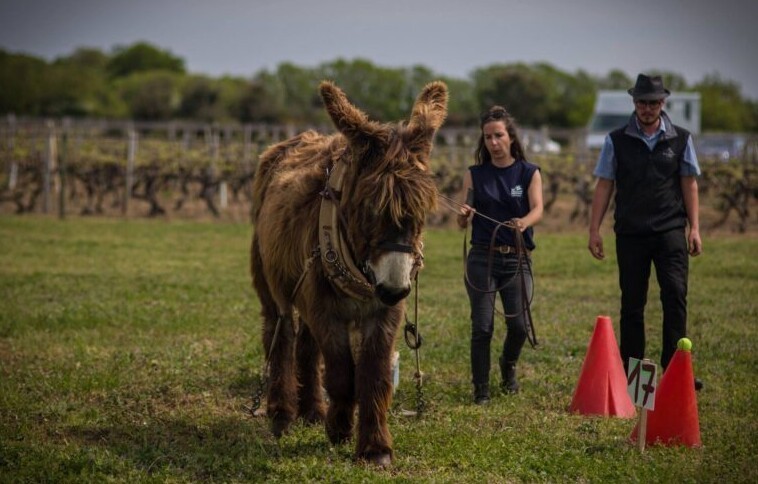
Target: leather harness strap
335, 257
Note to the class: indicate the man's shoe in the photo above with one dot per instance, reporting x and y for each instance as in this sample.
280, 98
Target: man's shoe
482, 394
698, 384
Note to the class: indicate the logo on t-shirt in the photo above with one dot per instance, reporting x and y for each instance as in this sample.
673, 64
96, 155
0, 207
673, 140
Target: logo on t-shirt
517, 191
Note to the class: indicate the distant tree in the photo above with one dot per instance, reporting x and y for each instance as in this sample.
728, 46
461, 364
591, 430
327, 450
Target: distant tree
414, 79
25, 81
151, 96
145, 82
71, 92
463, 109
381, 92
615, 80
141, 57
86, 58
569, 97
201, 99
579, 99
516, 87
261, 100
81, 86
230, 91
723, 108
299, 87
752, 108
537, 94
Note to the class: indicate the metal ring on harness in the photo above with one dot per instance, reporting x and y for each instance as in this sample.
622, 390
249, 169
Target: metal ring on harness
411, 330
330, 256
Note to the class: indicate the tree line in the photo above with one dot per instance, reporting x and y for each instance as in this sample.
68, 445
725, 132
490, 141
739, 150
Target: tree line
145, 82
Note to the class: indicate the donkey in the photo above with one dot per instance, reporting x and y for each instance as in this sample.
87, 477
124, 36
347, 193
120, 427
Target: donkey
338, 225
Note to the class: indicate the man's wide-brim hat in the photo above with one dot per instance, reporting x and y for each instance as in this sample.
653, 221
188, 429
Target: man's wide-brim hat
649, 88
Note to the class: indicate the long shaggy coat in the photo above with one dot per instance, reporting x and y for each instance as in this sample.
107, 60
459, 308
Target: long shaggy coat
387, 192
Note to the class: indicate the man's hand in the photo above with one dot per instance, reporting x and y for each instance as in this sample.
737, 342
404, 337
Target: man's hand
596, 246
694, 243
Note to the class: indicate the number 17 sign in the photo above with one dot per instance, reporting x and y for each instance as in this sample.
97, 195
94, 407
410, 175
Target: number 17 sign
640, 383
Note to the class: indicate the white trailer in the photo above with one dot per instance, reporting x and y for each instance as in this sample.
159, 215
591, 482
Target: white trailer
613, 108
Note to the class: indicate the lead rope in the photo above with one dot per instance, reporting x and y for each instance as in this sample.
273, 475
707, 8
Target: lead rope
526, 301
526, 298
412, 331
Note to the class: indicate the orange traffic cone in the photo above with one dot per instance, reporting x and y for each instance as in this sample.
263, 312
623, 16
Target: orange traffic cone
602, 383
674, 421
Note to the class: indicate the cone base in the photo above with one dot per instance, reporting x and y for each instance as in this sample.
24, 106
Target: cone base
601, 389
674, 421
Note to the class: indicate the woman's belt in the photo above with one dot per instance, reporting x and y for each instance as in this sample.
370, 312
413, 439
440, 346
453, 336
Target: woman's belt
502, 249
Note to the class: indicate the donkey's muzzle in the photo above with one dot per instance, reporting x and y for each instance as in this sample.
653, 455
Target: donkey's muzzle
391, 295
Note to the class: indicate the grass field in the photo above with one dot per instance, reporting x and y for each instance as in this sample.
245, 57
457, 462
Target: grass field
130, 348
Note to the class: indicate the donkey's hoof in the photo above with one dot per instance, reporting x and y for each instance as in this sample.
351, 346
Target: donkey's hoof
381, 459
338, 437
313, 416
279, 426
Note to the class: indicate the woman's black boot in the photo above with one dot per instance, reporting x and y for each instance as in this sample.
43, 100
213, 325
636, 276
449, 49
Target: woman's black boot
508, 372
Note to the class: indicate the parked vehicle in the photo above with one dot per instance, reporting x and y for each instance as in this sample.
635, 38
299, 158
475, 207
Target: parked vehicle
536, 141
721, 147
613, 108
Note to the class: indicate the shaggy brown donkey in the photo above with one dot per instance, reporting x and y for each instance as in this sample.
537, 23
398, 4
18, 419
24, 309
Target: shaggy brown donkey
338, 225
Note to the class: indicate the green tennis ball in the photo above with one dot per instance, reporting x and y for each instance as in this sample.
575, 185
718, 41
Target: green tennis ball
684, 344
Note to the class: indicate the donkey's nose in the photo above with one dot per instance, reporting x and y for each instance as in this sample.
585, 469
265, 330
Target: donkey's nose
391, 295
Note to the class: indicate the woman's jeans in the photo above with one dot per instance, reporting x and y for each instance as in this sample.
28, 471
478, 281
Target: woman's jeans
503, 274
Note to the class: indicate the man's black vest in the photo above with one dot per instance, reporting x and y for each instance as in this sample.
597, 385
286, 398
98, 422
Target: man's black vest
648, 183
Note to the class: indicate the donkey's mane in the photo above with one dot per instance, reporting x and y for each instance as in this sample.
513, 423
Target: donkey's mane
397, 181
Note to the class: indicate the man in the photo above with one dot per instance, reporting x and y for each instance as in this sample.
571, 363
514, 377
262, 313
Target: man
653, 167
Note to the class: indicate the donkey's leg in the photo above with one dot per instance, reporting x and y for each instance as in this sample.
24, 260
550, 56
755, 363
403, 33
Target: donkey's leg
339, 379
310, 393
279, 346
374, 386
282, 389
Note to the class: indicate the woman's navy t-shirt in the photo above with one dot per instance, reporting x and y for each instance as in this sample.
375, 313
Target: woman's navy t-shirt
501, 194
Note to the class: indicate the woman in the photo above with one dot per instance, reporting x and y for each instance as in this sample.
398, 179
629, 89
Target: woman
500, 186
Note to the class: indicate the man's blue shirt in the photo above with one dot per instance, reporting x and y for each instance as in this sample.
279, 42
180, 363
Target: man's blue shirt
606, 163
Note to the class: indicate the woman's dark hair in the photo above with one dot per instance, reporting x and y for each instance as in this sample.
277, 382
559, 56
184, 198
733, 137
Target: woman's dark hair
498, 113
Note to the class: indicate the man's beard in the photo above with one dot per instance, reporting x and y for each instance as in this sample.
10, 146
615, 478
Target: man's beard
646, 123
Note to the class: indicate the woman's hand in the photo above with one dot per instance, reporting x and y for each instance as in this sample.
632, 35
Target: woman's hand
519, 224
464, 215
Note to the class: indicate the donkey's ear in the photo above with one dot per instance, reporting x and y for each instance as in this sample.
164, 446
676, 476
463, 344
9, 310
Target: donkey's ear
429, 112
349, 120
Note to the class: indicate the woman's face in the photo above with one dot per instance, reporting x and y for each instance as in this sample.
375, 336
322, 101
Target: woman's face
497, 140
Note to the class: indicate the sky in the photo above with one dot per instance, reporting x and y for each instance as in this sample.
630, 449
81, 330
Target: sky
693, 38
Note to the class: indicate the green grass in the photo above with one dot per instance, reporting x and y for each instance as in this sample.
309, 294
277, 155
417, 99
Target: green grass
130, 348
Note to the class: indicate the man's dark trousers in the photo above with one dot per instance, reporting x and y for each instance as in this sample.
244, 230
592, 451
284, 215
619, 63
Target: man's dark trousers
667, 251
